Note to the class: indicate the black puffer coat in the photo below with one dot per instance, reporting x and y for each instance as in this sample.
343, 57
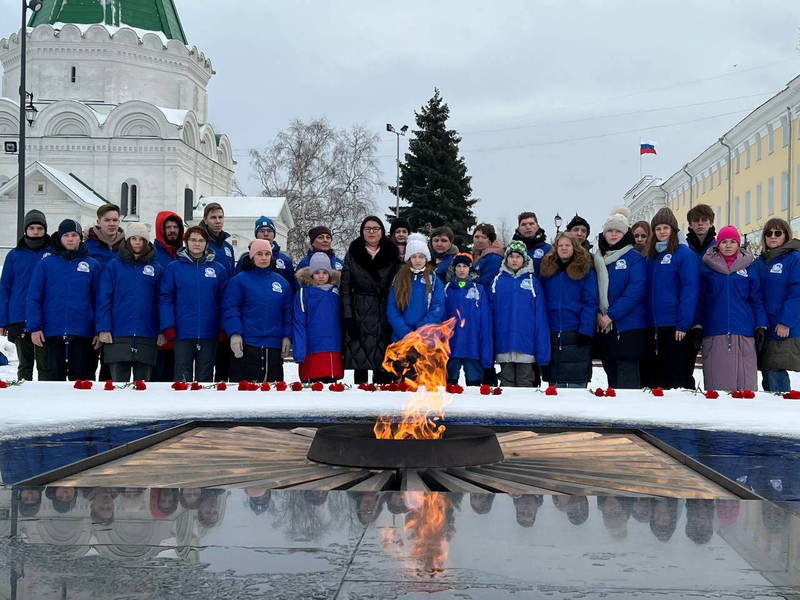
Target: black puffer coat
364, 290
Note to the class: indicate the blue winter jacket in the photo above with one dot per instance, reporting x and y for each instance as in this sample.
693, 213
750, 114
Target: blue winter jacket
163, 256
673, 284
472, 337
191, 296
61, 295
443, 263
487, 266
223, 251
779, 279
128, 295
335, 260
317, 324
281, 264
572, 304
730, 300
17, 270
258, 306
100, 251
423, 308
519, 313
627, 291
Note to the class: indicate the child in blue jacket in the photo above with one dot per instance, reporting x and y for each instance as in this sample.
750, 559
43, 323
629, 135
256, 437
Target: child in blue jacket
317, 326
519, 315
468, 302
417, 295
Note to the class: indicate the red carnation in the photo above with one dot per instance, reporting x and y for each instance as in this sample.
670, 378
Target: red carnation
712, 394
83, 384
336, 387
403, 386
281, 386
139, 385
109, 386
599, 392
265, 387
792, 395
486, 389
749, 394
551, 391
658, 391
3, 384
196, 386
737, 394
454, 388
497, 391
297, 386
611, 392
222, 386
317, 386
180, 385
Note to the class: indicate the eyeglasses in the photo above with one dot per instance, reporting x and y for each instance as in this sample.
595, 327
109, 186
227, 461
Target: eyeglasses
371, 229
773, 233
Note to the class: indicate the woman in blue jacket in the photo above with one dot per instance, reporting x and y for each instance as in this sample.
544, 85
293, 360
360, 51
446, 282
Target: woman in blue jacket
127, 307
190, 299
622, 288
487, 252
471, 345
732, 314
673, 287
61, 303
317, 323
519, 319
257, 316
570, 291
417, 295
779, 275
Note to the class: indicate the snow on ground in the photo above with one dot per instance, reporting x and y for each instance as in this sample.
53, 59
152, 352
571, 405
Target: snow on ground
39, 408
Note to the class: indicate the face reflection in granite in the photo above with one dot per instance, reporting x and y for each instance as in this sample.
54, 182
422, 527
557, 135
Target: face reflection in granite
256, 543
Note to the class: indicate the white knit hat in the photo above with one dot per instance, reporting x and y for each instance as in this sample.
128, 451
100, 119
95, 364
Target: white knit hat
417, 244
618, 220
137, 229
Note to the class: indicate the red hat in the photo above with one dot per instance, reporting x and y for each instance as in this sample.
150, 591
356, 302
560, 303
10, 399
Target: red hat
729, 232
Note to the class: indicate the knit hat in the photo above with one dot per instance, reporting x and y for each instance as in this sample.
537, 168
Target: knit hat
137, 229
664, 216
262, 222
729, 232
257, 245
399, 224
462, 258
212, 206
68, 226
319, 262
518, 247
35, 217
417, 244
618, 220
578, 220
314, 232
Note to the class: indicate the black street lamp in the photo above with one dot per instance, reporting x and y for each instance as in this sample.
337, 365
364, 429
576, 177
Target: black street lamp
557, 222
27, 111
390, 128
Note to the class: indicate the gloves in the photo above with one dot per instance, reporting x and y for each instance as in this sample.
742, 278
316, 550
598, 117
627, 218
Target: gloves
104, 337
286, 347
761, 337
581, 339
353, 330
237, 345
490, 376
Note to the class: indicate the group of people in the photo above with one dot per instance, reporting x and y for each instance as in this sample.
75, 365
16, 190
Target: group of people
181, 307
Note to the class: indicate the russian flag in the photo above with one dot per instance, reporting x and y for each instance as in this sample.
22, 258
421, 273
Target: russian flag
647, 147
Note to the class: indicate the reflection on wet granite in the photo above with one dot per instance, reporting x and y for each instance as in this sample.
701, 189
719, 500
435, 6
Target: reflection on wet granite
126, 544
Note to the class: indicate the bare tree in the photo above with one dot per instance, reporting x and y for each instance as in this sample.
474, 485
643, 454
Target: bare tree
505, 231
328, 176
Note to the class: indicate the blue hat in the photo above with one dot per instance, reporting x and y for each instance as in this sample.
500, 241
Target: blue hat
262, 222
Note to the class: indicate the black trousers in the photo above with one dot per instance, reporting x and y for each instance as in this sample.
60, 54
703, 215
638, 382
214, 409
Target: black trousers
669, 363
622, 374
222, 362
379, 376
121, 371
164, 369
69, 358
258, 364
29, 354
194, 360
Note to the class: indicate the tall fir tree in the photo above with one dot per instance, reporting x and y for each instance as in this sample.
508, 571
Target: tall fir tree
433, 179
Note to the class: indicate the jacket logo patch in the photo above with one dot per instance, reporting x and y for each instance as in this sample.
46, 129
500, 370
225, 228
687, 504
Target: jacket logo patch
210, 272
279, 264
46, 254
335, 290
667, 259
538, 253
83, 267
526, 284
338, 266
228, 252
149, 271
276, 287
742, 272
474, 294
777, 268
620, 264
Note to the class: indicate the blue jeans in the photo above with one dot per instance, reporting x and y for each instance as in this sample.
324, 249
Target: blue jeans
775, 380
473, 372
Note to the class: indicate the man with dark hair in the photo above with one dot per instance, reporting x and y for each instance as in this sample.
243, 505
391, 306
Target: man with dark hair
104, 239
442, 250
534, 237
579, 227
702, 234
17, 270
320, 239
169, 236
214, 223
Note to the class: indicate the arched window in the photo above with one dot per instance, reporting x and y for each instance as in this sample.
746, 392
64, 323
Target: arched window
133, 199
73, 74
188, 204
129, 198
123, 199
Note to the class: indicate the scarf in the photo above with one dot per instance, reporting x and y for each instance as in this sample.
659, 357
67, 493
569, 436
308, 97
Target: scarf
606, 255
772, 253
36, 243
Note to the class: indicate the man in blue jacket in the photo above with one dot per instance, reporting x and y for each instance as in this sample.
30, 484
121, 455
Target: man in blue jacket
534, 238
104, 239
281, 263
60, 311
321, 240
17, 270
257, 316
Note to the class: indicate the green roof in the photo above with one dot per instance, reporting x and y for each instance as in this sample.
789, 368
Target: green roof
150, 15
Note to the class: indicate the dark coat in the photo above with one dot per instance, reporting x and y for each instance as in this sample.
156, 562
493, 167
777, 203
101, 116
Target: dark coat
365, 289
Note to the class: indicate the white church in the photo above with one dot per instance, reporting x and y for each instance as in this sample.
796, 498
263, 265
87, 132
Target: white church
122, 117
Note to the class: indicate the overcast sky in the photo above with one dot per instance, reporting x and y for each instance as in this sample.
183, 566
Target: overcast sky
551, 98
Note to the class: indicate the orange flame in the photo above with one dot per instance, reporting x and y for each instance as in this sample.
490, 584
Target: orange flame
419, 360
428, 527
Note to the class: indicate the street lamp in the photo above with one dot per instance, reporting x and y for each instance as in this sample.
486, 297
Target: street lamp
27, 111
390, 128
557, 222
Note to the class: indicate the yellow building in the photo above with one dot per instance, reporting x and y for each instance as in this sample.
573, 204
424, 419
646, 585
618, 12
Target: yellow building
748, 175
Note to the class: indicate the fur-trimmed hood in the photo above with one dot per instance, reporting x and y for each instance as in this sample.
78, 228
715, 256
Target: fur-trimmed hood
304, 277
577, 269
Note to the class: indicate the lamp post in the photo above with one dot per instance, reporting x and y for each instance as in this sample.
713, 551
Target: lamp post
27, 111
557, 222
390, 128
